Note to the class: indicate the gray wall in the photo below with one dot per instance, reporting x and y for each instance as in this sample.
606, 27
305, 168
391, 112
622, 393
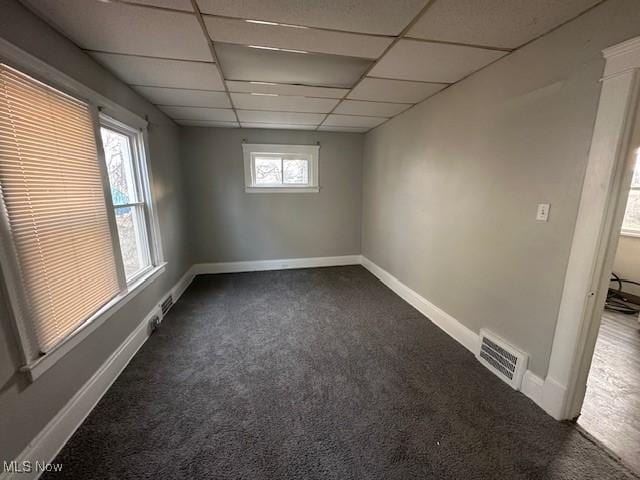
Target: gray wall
25, 408
228, 224
451, 186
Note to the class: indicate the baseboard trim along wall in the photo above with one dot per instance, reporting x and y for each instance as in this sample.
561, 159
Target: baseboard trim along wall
532, 385
48, 443
549, 395
280, 264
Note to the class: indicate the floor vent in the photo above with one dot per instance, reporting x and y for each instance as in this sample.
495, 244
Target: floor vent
167, 304
506, 361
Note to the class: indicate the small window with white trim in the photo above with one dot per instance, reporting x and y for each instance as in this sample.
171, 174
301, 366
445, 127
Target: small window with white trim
280, 168
631, 222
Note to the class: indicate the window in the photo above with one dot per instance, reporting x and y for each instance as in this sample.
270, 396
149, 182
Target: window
281, 168
122, 149
631, 222
66, 254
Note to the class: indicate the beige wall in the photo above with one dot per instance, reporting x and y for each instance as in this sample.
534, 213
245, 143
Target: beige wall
25, 408
627, 262
227, 224
451, 186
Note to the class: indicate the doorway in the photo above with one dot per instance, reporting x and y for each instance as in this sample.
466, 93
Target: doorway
611, 407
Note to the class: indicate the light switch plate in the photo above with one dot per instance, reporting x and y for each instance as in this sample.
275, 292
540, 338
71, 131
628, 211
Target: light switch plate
542, 214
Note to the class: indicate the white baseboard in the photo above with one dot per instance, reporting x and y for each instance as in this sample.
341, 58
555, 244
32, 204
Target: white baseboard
279, 264
48, 443
532, 385
442, 319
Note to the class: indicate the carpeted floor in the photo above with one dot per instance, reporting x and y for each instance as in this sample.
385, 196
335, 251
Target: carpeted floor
316, 374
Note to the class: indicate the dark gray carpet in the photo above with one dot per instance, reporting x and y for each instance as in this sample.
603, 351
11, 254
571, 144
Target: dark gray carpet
316, 374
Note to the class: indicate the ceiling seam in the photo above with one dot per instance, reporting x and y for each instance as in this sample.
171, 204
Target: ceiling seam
389, 47
212, 48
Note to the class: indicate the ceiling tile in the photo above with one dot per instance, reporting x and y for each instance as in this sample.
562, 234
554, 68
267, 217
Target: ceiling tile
369, 16
432, 62
289, 118
173, 4
199, 113
283, 89
324, 128
121, 28
185, 98
496, 23
378, 109
247, 101
278, 126
207, 123
162, 73
386, 90
244, 63
334, 120
245, 33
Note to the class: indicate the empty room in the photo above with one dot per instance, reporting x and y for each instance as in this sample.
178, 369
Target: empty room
319, 239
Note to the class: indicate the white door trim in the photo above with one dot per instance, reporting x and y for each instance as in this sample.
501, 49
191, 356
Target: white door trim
606, 183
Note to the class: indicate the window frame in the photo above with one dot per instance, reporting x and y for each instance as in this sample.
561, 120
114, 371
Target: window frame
251, 150
632, 232
99, 106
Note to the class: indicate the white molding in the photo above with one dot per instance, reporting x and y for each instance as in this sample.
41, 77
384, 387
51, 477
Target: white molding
48, 443
532, 386
279, 264
442, 319
596, 233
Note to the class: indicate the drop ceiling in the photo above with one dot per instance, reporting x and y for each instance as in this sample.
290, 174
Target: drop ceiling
328, 65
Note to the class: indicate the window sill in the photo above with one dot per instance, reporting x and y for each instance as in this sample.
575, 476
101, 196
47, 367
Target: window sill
282, 189
630, 233
42, 364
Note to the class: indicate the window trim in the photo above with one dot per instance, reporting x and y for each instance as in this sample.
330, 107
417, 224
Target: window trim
632, 232
250, 149
9, 269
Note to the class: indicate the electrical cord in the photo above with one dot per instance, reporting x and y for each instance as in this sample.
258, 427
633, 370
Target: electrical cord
617, 301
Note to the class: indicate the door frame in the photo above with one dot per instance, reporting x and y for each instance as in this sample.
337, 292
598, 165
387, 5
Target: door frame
616, 138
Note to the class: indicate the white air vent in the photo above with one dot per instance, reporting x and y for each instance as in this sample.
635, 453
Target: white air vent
506, 361
167, 303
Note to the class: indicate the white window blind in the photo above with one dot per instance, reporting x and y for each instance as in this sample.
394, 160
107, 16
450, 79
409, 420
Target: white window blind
53, 195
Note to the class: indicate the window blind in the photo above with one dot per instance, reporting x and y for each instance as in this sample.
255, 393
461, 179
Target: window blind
52, 192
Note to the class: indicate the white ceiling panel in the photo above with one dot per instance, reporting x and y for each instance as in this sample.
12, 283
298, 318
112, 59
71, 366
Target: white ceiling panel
288, 118
156, 72
324, 128
377, 109
432, 62
278, 126
246, 33
207, 123
185, 98
386, 90
198, 113
282, 89
244, 63
497, 23
334, 120
247, 101
173, 4
369, 16
121, 28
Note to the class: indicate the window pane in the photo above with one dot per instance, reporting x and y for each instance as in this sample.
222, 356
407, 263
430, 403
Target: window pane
635, 181
268, 170
632, 213
118, 156
296, 171
131, 231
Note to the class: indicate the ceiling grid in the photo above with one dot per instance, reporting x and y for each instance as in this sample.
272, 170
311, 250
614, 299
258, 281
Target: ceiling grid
328, 65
